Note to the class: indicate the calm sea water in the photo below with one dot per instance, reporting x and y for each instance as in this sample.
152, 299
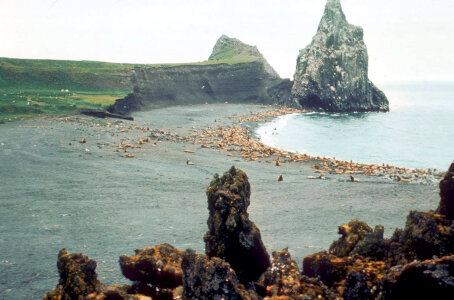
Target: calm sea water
418, 131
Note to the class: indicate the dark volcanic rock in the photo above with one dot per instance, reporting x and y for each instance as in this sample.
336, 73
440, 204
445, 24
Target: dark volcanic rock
425, 234
78, 277
235, 73
446, 206
211, 278
352, 233
373, 244
432, 279
159, 266
231, 235
282, 277
332, 72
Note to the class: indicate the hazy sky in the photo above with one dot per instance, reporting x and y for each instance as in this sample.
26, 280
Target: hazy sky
406, 39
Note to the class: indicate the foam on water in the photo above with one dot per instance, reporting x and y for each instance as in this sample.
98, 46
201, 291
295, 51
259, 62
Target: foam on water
416, 133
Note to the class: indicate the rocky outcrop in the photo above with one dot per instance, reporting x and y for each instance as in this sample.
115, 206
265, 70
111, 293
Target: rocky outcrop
446, 206
432, 279
231, 235
235, 73
417, 262
211, 278
159, 266
332, 72
77, 277
351, 234
283, 279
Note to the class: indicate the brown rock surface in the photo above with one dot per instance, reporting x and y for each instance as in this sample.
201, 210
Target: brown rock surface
231, 235
78, 277
430, 279
211, 278
351, 233
159, 266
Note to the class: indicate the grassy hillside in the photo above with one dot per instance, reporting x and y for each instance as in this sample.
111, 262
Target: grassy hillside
30, 87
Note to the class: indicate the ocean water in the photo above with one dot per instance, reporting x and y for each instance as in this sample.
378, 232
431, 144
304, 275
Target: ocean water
418, 131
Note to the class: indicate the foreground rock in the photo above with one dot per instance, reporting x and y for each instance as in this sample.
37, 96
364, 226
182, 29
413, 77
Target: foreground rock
156, 271
211, 278
446, 206
78, 280
283, 279
417, 262
231, 235
332, 72
77, 277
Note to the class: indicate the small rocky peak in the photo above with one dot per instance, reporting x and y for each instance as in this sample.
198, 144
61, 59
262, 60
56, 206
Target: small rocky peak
227, 48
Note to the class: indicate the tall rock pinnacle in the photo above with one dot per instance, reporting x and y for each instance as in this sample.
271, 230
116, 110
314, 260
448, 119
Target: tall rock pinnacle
332, 72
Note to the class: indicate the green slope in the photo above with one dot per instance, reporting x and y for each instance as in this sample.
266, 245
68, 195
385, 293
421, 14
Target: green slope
30, 87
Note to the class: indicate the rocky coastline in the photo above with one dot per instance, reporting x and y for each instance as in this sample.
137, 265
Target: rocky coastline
415, 263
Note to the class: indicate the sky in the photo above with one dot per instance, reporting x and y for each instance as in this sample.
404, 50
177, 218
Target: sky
406, 39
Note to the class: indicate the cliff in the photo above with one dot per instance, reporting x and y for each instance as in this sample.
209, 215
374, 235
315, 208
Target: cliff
235, 72
332, 72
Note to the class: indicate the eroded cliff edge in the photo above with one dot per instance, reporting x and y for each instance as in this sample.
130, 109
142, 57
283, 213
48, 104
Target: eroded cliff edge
332, 72
235, 72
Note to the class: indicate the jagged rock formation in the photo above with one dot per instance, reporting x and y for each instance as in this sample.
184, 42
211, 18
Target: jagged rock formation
78, 280
159, 266
332, 72
77, 276
283, 279
231, 235
211, 278
432, 279
417, 262
351, 234
235, 73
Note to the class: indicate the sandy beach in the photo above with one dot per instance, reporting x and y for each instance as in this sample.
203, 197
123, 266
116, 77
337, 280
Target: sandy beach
59, 192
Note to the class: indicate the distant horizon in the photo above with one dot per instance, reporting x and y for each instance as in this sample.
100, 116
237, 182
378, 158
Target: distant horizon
408, 40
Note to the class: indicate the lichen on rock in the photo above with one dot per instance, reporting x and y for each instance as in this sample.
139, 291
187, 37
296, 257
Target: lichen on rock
211, 278
159, 266
332, 72
351, 234
77, 277
231, 235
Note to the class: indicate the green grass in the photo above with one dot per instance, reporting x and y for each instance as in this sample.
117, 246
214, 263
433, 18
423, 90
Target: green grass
16, 104
91, 84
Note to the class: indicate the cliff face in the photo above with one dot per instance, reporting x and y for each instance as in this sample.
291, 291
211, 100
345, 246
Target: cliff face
236, 72
332, 72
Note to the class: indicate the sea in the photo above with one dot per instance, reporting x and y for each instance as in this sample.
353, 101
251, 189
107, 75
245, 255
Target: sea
417, 132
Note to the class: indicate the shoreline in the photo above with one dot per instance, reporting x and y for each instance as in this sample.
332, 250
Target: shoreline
84, 196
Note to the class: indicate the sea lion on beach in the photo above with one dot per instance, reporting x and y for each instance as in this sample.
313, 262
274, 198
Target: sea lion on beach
353, 179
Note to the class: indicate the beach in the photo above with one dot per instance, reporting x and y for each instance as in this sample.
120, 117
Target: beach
67, 182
